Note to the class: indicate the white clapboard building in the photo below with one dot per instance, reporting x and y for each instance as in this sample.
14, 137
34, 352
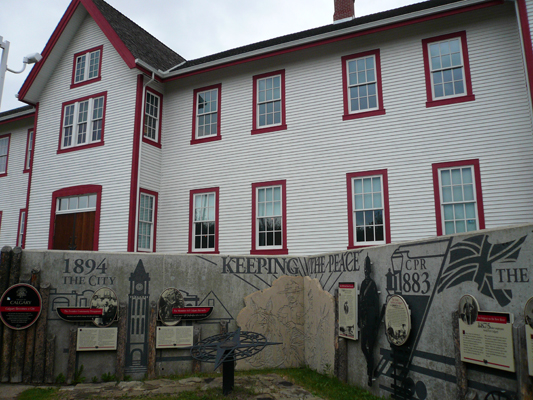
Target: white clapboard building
395, 126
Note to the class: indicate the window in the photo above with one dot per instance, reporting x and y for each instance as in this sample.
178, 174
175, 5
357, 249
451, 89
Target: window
206, 114
153, 112
147, 221
269, 223
458, 198
368, 208
82, 123
203, 215
87, 67
21, 236
269, 102
4, 153
29, 150
361, 75
75, 218
447, 69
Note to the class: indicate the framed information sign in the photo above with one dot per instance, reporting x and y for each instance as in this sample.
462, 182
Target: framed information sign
488, 341
174, 337
397, 320
348, 310
20, 306
93, 339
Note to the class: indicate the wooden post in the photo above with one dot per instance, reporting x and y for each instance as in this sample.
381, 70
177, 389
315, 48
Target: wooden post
196, 337
71, 365
460, 368
14, 273
5, 266
50, 357
121, 341
30, 335
19, 345
37, 375
150, 373
525, 382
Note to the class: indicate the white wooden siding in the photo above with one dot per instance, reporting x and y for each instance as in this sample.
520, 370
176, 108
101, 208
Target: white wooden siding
14, 186
108, 165
319, 148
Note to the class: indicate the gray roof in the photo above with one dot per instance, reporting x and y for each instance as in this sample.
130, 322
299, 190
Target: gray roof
13, 113
140, 43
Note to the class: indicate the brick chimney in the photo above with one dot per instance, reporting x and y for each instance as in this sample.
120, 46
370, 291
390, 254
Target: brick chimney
344, 9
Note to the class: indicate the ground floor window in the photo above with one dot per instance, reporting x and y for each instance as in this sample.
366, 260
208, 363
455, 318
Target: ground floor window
147, 221
75, 218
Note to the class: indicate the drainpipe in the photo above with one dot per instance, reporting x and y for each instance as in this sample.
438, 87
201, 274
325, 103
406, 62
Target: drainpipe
138, 195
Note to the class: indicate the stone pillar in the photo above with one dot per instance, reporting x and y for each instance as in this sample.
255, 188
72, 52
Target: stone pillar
121, 341
71, 365
525, 382
196, 337
152, 326
30, 335
37, 375
460, 368
19, 346
50, 357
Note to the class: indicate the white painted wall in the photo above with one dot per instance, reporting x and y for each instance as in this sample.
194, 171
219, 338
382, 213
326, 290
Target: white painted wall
108, 165
14, 186
319, 148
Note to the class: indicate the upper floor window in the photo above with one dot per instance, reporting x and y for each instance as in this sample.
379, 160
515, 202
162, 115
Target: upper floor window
269, 102
447, 69
147, 221
21, 237
269, 208
29, 150
458, 199
87, 67
4, 153
153, 111
361, 75
83, 123
368, 208
203, 236
206, 114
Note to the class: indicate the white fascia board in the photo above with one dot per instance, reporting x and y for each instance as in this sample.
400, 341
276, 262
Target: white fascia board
329, 35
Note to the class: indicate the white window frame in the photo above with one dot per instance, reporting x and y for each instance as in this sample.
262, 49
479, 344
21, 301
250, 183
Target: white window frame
72, 204
212, 114
207, 220
151, 117
455, 204
72, 121
146, 222
266, 101
22, 228
359, 84
451, 68
29, 149
4, 155
370, 208
84, 75
263, 215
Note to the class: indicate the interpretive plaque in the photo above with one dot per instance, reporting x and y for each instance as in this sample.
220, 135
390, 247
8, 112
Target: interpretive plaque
348, 310
170, 298
488, 341
93, 339
20, 306
106, 300
528, 316
173, 337
397, 320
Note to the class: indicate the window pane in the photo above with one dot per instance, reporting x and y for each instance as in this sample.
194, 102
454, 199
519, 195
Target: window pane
92, 201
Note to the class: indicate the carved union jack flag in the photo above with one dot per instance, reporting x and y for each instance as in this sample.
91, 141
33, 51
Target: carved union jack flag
472, 259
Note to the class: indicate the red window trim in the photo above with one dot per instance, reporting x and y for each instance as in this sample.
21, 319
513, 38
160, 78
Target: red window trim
386, 209
23, 244
154, 236
218, 136
436, 189
362, 114
76, 191
85, 146
216, 190
87, 81
1, 212
145, 139
283, 126
8, 135
26, 167
284, 249
469, 96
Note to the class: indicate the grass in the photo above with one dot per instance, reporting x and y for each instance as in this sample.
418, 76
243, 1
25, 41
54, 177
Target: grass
327, 387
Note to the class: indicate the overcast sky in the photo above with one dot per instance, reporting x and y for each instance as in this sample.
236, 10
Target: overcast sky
192, 28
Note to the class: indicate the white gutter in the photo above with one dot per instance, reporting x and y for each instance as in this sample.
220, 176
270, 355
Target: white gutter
329, 35
16, 115
138, 194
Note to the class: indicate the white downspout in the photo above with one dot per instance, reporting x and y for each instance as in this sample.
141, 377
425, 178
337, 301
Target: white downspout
138, 195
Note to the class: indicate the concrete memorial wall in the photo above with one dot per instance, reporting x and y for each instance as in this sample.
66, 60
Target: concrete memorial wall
282, 298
